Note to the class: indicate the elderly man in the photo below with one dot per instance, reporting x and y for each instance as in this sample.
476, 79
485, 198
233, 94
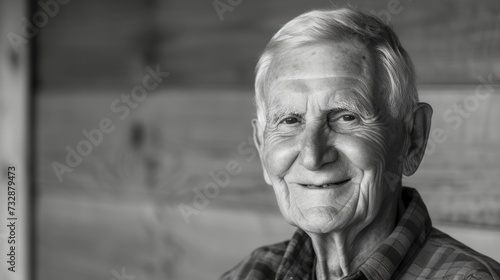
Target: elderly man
338, 123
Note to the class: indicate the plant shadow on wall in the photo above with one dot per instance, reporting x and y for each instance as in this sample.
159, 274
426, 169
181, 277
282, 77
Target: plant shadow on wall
144, 176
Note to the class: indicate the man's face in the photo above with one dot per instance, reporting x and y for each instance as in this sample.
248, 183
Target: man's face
326, 145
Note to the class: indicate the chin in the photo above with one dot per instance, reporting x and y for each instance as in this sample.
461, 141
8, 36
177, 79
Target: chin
320, 219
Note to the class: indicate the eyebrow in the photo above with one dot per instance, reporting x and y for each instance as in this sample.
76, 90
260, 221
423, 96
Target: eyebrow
355, 107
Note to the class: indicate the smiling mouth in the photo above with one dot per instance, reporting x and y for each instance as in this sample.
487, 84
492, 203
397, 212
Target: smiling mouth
326, 186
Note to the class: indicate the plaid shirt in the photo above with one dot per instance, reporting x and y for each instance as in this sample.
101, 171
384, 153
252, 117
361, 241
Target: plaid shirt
414, 250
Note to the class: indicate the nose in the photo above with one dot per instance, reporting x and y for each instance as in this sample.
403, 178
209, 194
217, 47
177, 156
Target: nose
317, 148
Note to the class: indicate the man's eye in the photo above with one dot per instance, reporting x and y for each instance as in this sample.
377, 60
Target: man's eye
348, 118
290, 120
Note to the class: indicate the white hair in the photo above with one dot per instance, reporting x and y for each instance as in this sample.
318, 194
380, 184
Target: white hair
394, 67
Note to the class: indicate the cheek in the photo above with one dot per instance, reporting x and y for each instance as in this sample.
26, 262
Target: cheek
279, 155
362, 152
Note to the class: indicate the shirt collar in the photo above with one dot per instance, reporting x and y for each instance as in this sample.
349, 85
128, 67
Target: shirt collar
409, 234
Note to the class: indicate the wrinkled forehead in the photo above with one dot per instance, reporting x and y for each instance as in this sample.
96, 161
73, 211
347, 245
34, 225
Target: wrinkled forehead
323, 69
331, 92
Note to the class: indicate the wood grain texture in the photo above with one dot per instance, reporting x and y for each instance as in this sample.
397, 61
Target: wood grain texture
105, 42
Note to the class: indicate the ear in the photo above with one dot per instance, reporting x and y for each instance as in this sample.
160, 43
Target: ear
258, 138
418, 136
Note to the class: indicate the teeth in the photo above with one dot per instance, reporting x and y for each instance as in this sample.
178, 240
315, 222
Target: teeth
325, 185
320, 186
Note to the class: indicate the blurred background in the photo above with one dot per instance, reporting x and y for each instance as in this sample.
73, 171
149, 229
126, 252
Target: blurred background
125, 154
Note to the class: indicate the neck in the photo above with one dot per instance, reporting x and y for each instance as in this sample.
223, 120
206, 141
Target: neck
339, 254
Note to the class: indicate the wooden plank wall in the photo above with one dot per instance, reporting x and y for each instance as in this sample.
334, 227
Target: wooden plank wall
101, 42
93, 51
107, 44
